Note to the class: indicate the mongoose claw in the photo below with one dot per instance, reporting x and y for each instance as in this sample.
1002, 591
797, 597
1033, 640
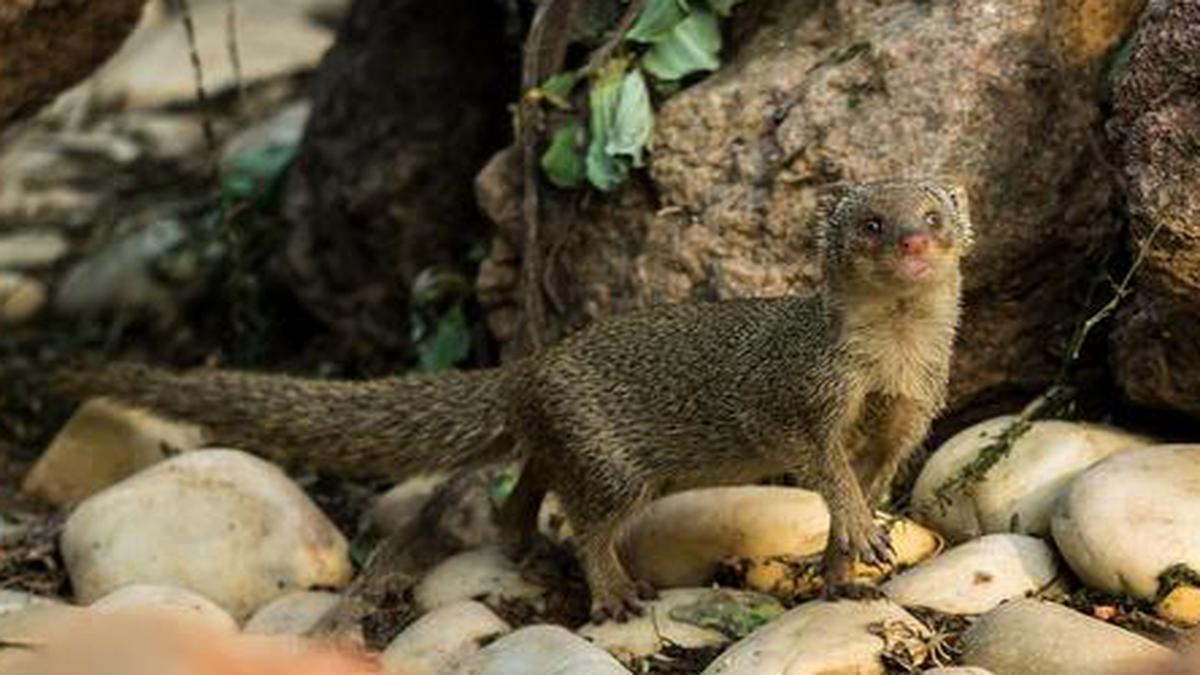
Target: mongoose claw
879, 552
617, 609
646, 590
849, 590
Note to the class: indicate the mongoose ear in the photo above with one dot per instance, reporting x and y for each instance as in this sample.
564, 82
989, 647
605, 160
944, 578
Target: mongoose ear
956, 196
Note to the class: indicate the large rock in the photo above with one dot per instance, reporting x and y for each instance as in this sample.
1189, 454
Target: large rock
541, 650
101, 444
679, 540
1156, 122
1030, 637
219, 522
819, 637
976, 576
851, 91
293, 614
1018, 492
1131, 517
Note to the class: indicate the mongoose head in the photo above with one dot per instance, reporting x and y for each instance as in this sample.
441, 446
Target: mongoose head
895, 235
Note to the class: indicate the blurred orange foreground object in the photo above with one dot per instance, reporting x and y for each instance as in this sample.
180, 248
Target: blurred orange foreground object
126, 644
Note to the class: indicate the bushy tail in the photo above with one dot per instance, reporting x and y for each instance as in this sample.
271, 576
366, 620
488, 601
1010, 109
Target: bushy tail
386, 428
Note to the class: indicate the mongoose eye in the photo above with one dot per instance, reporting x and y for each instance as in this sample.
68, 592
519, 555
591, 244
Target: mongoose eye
933, 219
873, 225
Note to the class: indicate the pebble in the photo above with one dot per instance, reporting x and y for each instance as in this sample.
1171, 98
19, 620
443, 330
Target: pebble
148, 599
293, 614
441, 640
1132, 517
101, 444
821, 637
21, 298
222, 523
481, 573
974, 577
1018, 493
31, 250
1033, 637
685, 617
541, 650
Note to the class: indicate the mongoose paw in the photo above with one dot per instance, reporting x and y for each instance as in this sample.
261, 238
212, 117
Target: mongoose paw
646, 590
879, 551
849, 590
618, 606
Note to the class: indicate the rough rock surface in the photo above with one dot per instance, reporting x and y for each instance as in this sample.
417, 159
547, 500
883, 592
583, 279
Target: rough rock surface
481, 573
219, 522
1030, 637
1131, 517
1156, 123
51, 44
981, 91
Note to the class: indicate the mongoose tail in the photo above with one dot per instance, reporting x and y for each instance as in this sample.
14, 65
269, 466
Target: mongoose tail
380, 429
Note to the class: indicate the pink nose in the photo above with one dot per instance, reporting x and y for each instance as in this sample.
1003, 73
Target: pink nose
915, 244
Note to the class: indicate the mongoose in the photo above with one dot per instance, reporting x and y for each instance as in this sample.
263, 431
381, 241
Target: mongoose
836, 386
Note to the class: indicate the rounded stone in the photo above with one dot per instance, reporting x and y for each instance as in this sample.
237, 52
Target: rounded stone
680, 539
481, 573
541, 650
820, 637
148, 599
101, 444
1017, 494
21, 297
222, 523
1032, 637
439, 641
1132, 517
974, 577
293, 614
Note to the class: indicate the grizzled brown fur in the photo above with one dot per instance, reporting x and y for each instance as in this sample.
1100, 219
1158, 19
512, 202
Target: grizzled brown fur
837, 387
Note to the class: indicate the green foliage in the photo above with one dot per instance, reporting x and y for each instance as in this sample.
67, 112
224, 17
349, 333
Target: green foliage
691, 47
255, 176
633, 121
657, 20
670, 40
447, 344
734, 616
563, 160
604, 170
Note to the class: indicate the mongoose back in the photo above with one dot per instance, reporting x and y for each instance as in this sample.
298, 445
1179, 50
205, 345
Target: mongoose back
836, 386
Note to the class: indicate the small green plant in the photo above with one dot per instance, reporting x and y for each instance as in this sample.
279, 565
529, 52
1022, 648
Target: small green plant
671, 40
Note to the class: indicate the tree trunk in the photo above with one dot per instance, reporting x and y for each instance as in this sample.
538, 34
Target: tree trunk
409, 102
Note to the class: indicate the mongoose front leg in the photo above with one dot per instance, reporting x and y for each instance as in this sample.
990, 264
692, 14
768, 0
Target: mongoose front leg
893, 427
853, 534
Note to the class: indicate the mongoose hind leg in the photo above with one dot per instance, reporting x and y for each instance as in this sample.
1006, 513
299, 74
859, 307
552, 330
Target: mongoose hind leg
519, 514
598, 509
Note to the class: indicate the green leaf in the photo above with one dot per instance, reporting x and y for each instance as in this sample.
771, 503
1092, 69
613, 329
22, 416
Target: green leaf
563, 161
559, 86
736, 616
657, 19
450, 343
722, 7
254, 175
604, 170
691, 47
633, 121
